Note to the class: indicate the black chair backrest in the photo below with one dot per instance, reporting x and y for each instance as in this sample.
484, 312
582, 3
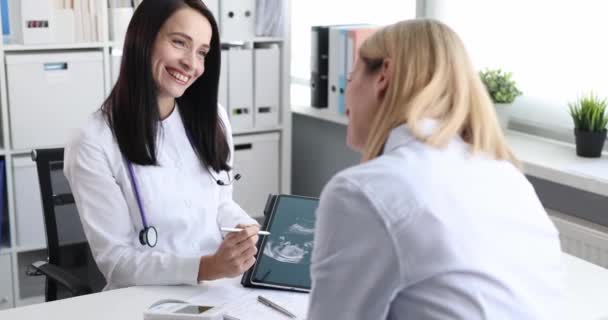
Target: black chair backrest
67, 245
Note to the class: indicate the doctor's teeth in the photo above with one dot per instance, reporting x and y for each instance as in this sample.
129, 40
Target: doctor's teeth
179, 77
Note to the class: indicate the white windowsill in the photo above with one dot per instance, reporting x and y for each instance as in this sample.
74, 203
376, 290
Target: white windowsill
543, 158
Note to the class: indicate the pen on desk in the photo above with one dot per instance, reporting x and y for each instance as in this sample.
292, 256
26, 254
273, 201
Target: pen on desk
261, 232
275, 306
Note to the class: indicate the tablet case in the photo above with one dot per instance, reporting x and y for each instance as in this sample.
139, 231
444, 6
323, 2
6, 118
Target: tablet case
246, 279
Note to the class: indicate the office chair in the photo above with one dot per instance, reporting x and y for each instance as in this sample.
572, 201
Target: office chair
70, 269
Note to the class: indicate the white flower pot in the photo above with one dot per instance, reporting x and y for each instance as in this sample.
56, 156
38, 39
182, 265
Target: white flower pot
503, 113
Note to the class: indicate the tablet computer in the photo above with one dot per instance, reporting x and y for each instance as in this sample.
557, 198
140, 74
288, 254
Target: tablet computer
283, 259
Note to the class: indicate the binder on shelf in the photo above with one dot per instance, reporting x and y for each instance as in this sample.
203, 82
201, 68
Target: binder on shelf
222, 96
64, 27
267, 86
332, 69
350, 43
119, 21
6, 26
53, 21
79, 33
86, 21
237, 20
318, 66
336, 74
354, 41
240, 88
37, 21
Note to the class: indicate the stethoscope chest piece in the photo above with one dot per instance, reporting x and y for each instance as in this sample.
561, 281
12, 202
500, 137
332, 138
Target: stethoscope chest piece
148, 236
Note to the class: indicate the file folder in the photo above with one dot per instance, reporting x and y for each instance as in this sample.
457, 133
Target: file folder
222, 95
354, 41
240, 88
341, 81
267, 86
318, 66
37, 21
333, 68
350, 42
336, 84
237, 20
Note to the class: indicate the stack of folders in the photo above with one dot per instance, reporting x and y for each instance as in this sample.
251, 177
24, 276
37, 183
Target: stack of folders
334, 50
250, 86
52, 21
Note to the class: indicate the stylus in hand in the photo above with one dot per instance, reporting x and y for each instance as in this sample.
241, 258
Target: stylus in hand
275, 306
261, 232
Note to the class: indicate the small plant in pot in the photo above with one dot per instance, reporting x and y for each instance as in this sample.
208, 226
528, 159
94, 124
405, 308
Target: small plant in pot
503, 91
590, 119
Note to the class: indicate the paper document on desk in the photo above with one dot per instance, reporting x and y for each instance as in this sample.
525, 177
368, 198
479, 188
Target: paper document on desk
593, 168
242, 303
219, 292
248, 307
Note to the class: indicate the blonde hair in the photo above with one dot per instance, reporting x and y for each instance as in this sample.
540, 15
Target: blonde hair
432, 77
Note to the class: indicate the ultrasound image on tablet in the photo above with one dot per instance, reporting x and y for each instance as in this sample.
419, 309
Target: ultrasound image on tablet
285, 258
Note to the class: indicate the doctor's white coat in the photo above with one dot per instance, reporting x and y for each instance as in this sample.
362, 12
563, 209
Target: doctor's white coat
180, 198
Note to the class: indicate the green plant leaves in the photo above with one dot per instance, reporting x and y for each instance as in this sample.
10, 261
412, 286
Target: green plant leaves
500, 85
589, 113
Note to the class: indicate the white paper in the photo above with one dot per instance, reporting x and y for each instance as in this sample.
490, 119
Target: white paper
248, 307
242, 303
219, 292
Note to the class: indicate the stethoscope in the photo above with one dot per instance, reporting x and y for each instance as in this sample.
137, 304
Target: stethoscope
148, 236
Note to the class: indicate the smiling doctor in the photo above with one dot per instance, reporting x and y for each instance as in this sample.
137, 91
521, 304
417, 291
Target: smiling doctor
151, 170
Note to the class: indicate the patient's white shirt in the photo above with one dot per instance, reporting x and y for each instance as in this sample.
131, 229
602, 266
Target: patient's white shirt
425, 233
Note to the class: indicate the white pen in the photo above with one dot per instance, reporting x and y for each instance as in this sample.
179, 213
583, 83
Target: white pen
261, 232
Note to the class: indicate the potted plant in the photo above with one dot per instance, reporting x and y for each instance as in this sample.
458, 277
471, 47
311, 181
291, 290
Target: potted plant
590, 119
502, 90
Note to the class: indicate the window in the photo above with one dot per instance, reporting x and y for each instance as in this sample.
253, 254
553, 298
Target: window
308, 13
556, 50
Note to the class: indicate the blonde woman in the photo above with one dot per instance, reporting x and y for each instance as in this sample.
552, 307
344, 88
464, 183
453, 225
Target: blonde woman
438, 221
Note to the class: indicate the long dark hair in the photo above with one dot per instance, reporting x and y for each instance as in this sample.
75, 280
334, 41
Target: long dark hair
131, 109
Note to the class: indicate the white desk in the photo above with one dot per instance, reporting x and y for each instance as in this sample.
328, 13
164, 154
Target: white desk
587, 299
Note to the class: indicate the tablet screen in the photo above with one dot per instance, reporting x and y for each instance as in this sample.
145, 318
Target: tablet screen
284, 259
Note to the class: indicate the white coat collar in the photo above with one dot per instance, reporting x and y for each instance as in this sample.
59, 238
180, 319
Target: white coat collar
403, 135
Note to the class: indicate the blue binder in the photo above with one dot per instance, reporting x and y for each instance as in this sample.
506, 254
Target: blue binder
6, 26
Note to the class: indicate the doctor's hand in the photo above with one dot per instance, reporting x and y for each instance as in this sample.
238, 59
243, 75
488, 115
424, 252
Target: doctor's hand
234, 256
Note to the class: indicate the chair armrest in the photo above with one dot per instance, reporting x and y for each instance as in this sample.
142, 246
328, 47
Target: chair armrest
76, 286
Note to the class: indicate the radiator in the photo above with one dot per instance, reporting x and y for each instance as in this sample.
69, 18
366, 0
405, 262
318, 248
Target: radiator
582, 239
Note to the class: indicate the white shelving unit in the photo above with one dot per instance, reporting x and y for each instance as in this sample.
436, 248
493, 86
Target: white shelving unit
18, 290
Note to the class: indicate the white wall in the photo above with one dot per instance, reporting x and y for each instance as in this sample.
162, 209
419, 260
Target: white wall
555, 49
